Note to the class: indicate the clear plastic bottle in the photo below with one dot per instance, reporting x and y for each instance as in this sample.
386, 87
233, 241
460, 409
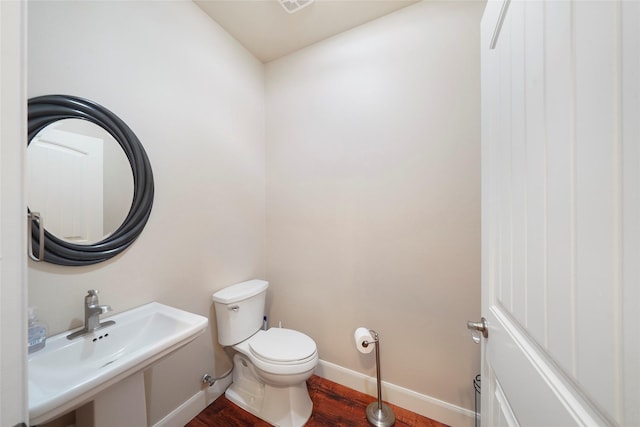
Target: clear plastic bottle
37, 332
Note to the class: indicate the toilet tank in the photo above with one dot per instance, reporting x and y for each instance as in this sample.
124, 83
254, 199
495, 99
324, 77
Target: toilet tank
240, 310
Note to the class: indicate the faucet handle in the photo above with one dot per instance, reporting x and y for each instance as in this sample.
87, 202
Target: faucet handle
92, 297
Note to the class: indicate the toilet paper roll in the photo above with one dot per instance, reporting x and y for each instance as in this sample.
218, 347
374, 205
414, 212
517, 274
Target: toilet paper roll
362, 335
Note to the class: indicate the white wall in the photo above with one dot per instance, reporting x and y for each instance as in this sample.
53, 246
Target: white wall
372, 179
373, 184
194, 98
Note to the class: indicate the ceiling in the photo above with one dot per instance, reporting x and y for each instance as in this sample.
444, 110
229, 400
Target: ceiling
269, 32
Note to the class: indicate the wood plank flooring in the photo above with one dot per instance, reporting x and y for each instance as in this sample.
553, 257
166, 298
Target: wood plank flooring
333, 405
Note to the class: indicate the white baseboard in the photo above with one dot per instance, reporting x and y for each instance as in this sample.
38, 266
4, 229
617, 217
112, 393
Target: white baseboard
427, 406
195, 404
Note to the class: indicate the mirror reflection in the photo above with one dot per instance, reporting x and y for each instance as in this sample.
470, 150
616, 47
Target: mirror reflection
80, 180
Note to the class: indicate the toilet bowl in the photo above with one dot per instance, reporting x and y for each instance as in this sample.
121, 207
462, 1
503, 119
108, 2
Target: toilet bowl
270, 366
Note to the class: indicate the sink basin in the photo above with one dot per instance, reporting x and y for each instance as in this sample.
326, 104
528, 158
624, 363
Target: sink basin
68, 373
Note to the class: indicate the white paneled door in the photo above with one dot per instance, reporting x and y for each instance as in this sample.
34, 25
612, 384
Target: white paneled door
65, 184
561, 213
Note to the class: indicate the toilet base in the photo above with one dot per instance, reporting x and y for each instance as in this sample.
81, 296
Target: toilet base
280, 406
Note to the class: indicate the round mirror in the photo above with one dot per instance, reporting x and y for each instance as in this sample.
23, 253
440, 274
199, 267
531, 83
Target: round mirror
88, 177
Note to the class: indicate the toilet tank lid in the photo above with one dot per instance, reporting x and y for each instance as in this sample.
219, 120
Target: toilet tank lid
240, 291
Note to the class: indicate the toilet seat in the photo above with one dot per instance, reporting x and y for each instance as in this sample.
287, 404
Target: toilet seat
280, 351
282, 346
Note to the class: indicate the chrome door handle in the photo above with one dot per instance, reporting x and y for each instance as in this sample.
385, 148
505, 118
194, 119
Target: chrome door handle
475, 327
37, 218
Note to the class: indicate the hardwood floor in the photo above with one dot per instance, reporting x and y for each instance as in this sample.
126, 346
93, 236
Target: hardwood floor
333, 405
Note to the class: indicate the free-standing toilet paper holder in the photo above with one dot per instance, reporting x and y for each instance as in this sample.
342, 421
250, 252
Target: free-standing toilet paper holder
378, 414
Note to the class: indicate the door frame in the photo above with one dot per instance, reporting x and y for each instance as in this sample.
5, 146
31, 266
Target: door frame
13, 219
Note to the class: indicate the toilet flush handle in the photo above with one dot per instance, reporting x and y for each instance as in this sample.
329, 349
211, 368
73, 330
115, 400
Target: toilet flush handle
234, 308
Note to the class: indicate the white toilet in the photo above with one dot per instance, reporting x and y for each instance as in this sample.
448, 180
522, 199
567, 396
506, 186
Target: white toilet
270, 368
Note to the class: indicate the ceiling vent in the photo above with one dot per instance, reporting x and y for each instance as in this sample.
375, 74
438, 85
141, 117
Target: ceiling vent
292, 6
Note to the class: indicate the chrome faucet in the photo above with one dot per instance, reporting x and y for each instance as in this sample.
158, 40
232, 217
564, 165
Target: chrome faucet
92, 312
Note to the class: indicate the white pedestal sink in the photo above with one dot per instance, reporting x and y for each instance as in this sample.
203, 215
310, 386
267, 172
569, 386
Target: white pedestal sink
67, 374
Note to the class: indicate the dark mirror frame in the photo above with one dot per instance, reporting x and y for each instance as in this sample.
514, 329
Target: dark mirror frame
44, 110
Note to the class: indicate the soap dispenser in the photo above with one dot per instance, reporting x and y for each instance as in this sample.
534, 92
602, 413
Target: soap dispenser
37, 332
